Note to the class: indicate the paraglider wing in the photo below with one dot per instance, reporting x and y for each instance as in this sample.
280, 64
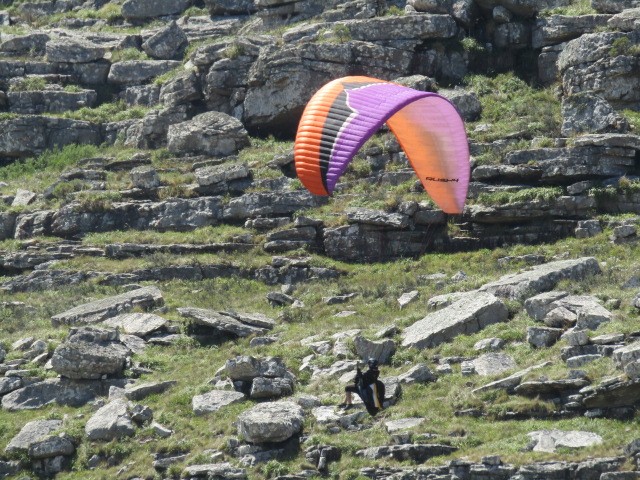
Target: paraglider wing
346, 112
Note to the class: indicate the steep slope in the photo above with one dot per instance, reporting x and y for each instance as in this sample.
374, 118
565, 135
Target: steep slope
175, 304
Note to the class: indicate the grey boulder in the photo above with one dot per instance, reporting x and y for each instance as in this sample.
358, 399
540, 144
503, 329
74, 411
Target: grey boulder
381, 350
30, 434
110, 422
210, 133
214, 400
465, 316
51, 446
90, 353
73, 50
270, 422
167, 44
245, 367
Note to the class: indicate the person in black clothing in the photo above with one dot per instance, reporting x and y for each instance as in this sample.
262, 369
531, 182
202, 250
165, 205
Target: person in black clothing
368, 387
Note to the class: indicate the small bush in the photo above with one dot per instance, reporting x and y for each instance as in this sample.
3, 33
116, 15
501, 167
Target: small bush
234, 50
628, 186
470, 45
394, 10
274, 468
624, 187
342, 33
73, 89
195, 12
623, 46
65, 189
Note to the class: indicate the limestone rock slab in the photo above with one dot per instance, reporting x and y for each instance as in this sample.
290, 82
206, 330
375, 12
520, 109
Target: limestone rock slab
31, 433
221, 321
461, 317
214, 400
138, 324
104, 308
549, 440
542, 278
54, 390
493, 364
138, 392
145, 9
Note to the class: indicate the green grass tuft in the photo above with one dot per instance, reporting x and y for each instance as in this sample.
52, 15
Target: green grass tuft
513, 109
545, 194
574, 9
53, 160
28, 84
107, 112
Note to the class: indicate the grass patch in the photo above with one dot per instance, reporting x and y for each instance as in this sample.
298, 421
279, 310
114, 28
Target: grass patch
195, 12
611, 193
394, 11
495, 156
623, 46
96, 201
126, 54
50, 161
107, 112
28, 84
575, 8
513, 109
73, 89
167, 76
42, 171
264, 151
204, 235
633, 117
111, 12
543, 194
7, 116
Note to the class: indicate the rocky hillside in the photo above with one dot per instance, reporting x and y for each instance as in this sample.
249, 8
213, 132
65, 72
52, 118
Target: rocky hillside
174, 304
